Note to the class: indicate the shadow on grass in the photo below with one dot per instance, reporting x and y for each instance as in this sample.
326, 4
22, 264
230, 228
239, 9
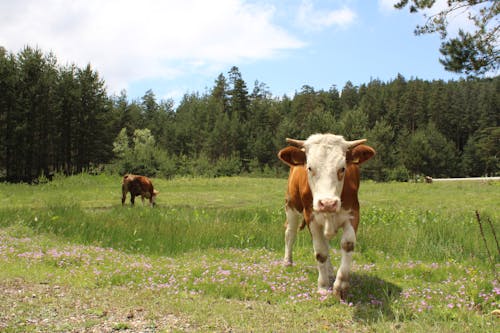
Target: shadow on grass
372, 297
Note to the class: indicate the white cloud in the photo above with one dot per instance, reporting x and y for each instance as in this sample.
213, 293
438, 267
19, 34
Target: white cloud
128, 40
313, 19
387, 6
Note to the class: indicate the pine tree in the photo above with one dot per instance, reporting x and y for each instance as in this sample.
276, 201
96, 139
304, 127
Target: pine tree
68, 92
239, 99
94, 142
349, 97
474, 52
8, 80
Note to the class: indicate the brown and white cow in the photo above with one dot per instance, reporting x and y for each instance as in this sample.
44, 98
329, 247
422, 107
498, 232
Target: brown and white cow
323, 193
138, 185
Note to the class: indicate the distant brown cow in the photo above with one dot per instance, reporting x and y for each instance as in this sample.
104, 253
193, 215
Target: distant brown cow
138, 185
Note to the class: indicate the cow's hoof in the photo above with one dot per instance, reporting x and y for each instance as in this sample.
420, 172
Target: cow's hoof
340, 294
340, 288
337, 294
287, 263
324, 291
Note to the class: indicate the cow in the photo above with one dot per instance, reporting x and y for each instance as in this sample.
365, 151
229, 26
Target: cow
138, 185
322, 192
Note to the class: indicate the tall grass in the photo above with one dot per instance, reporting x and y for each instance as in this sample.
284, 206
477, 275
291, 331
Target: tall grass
155, 231
196, 214
422, 234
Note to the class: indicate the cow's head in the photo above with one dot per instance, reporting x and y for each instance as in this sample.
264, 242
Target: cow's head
153, 199
326, 157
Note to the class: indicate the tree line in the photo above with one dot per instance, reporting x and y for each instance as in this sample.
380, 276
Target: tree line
57, 118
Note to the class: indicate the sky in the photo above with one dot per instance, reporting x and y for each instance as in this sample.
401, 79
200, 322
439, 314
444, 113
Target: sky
175, 47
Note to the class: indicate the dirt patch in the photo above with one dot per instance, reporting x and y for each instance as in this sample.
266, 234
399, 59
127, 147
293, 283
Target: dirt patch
53, 308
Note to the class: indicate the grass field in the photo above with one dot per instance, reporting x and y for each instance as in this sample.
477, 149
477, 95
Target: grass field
208, 258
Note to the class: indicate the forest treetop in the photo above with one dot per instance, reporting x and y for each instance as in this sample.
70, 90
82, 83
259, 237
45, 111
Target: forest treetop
60, 119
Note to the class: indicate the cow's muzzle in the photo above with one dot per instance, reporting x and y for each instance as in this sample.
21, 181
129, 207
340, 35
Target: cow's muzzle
328, 205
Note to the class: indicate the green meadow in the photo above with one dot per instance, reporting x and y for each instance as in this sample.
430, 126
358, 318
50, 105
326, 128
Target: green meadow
208, 258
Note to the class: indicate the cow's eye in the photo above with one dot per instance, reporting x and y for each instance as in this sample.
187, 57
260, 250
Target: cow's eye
340, 173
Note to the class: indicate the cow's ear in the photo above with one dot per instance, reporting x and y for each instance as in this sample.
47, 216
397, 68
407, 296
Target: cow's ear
292, 156
359, 154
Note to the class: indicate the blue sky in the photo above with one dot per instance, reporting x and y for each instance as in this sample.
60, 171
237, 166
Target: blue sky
178, 47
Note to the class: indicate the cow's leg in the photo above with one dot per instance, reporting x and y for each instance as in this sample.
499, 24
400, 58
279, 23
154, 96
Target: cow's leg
347, 247
292, 224
132, 199
321, 252
124, 197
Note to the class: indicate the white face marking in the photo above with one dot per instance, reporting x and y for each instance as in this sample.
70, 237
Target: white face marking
326, 165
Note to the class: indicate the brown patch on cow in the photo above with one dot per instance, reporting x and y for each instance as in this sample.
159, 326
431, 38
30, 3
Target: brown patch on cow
359, 154
138, 186
321, 258
348, 246
292, 156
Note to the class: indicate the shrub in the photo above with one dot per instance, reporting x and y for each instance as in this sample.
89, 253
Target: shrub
399, 174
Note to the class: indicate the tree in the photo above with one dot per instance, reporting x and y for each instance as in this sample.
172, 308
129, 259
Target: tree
428, 152
120, 145
349, 97
31, 139
481, 154
93, 140
68, 91
144, 157
143, 139
220, 94
372, 102
353, 124
474, 52
262, 126
381, 138
239, 100
240, 112
8, 80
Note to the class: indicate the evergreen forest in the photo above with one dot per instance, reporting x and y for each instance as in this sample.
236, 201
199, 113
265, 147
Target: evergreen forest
60, 119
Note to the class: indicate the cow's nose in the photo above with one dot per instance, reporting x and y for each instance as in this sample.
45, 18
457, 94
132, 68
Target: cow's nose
328, 205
